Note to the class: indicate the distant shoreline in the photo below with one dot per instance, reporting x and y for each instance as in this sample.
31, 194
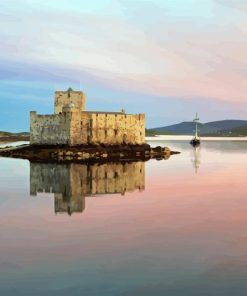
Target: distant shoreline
188, 138
11, 137
8, 139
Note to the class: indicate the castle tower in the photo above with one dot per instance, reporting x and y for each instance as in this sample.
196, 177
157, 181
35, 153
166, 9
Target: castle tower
64, 98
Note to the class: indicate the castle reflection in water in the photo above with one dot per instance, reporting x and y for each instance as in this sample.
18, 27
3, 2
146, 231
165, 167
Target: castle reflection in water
72, 182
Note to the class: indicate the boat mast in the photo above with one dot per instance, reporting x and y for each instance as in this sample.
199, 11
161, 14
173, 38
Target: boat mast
196, 120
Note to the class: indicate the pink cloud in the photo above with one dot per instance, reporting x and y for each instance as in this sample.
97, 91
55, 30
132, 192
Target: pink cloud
204, 57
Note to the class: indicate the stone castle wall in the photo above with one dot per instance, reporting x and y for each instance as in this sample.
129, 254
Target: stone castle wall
79, 128
72, 125
49, 129
117, 128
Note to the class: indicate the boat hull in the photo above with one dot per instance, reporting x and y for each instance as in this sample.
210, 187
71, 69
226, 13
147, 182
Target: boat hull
195, 142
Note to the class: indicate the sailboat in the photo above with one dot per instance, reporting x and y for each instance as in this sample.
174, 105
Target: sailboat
196, 140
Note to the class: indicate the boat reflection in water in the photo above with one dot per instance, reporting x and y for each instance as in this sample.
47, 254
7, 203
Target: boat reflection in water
196, 157
72, 182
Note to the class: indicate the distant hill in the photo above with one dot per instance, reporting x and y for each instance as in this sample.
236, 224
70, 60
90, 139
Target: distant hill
239, 131
214, 128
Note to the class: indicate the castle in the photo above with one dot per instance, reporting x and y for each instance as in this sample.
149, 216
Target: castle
72, 125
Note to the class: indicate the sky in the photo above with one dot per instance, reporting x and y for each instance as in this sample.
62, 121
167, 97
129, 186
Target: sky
166, 58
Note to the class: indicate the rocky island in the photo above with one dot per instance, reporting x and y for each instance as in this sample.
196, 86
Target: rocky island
89, 153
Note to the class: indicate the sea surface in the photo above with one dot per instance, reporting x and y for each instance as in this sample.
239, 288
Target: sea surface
173, 227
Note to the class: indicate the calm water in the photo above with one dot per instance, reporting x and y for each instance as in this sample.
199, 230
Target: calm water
172, 227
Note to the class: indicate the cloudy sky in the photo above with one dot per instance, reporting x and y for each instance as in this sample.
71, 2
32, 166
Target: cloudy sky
167, 58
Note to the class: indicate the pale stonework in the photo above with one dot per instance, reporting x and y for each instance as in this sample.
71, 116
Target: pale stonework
72, 125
